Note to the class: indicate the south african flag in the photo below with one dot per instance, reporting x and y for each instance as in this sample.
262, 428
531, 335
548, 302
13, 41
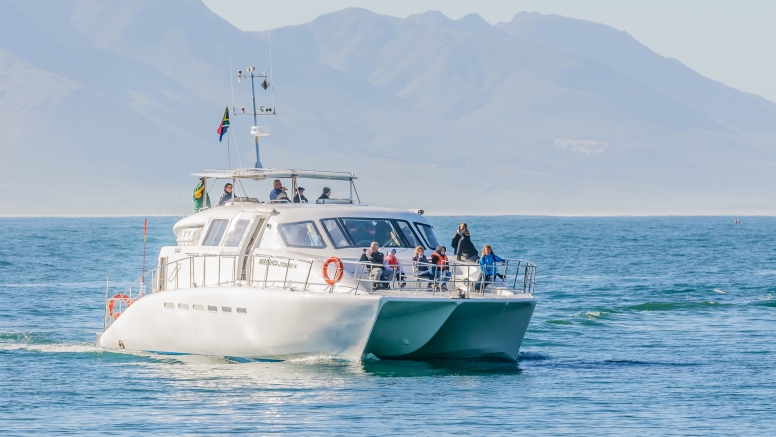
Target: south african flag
224, 125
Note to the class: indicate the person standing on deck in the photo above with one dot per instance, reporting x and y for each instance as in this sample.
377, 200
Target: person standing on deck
457, 237
200, 195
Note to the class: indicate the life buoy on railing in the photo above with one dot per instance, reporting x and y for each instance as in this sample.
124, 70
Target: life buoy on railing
111, 304
337, 276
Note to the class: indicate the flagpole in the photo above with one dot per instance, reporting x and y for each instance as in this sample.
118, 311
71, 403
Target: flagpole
142, 277
228, 145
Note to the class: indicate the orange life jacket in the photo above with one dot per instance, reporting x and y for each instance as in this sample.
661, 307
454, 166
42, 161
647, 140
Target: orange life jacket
442, 259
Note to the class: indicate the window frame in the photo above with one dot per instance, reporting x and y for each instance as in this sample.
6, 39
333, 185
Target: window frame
423, 235
210, 229
394, 225
317, 231
351, 245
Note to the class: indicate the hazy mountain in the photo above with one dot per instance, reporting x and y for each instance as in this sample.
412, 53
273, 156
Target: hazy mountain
108, 106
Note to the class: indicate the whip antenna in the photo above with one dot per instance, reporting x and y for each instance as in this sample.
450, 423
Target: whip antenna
271, 77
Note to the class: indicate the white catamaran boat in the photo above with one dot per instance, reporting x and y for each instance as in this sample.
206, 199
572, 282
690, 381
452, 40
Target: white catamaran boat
283, 280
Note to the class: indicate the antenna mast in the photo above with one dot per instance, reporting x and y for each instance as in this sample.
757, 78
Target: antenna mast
259, 131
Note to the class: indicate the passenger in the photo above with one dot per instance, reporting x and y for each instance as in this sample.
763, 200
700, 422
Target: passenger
488, 270
457, 237
392, 263
299, 198
420, 265
277, 190
377, 271
200, 195
326, 194
227, 196
466, 250
439, 270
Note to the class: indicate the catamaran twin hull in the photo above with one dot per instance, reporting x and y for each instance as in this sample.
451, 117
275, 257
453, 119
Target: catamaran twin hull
279, 324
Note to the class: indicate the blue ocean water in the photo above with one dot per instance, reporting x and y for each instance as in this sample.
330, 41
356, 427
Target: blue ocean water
648, 326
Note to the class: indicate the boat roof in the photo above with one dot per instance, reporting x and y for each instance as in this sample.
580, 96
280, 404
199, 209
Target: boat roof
258, 174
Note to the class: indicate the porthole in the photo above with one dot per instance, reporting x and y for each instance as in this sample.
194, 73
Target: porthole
169, 305
226, 309
183, 306
212, 308
198, 307
242, 310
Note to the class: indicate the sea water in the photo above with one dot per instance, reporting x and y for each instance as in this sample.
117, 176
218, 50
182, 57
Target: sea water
646, 326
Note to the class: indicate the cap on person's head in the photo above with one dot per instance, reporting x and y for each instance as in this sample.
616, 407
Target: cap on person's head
393, 250
300, 189
326, 190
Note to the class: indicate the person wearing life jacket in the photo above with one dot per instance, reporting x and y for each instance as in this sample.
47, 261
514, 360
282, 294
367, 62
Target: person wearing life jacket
439, 270
200, 195
391, 262
488, 270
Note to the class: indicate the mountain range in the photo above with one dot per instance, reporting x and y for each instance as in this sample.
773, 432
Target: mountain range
107, 107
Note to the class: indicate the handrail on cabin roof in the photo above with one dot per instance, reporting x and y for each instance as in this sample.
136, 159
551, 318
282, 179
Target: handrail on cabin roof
269, 173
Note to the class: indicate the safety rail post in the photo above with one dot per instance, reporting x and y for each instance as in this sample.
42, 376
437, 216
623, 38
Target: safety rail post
307, 279
288, 266
266, 273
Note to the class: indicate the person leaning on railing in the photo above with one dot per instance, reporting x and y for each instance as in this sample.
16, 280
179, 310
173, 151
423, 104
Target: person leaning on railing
420, 265
488, 269
439, 269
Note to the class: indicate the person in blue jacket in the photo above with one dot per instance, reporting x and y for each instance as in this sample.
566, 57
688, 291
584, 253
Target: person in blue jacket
488, 269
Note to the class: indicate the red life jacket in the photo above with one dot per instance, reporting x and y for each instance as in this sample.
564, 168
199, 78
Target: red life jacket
442, 259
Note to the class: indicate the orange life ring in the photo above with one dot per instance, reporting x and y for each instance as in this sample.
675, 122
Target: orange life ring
112, 302
337, 276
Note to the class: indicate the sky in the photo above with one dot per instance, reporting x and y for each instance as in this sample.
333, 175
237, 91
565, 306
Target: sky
733, 42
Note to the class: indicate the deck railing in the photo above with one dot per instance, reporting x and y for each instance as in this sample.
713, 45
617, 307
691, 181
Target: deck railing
457, 279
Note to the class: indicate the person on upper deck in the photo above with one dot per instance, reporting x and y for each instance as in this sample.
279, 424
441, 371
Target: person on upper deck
488, 270
457, 237
200, 195
326, 193
299, 198
377, 271
227, 196
439, 270
277, 190
420, 264
466, 250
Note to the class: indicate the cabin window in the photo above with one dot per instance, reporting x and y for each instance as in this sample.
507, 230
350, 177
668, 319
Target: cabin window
363, 231
215, 233
428, 234
336, 235
236, 232
408, 233
301, 234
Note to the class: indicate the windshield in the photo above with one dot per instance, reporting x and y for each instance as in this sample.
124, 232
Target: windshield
386, 232
428, 234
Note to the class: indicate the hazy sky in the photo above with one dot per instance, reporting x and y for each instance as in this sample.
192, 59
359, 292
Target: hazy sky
730, 41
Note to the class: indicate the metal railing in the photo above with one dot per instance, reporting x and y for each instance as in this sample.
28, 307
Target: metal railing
456, 279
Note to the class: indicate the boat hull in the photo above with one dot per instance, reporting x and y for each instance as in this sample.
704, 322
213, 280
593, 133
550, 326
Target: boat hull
281, 325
